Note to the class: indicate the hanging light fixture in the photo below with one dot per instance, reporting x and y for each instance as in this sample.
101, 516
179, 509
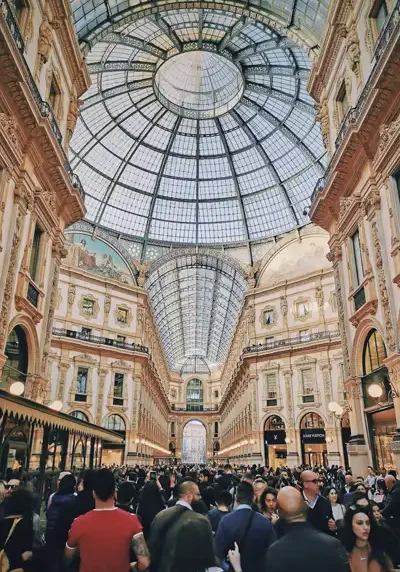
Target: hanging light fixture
17, 388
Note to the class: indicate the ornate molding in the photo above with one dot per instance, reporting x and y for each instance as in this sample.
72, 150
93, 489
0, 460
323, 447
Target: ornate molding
272, 309
383, 292
368, 309
96, 307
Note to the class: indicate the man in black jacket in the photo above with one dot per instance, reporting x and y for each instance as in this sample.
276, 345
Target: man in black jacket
302, 547
319, 510
81, 504
391, 512
164, 530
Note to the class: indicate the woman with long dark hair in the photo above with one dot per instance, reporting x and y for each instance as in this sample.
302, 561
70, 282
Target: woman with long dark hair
194, 551
151, 502
338, 510
16, 528
361, 538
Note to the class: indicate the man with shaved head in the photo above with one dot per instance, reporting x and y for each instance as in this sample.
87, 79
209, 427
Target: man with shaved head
164, 530
391, 512
302, 548
319, 510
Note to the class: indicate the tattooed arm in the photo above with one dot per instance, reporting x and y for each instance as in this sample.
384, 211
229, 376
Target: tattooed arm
142, 552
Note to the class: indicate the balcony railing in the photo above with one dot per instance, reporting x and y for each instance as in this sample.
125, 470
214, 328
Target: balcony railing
200, 408
354, 113
288, 342
63, 333
44, 108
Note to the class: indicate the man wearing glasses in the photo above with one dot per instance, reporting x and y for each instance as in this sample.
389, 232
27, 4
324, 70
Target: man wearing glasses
319, 510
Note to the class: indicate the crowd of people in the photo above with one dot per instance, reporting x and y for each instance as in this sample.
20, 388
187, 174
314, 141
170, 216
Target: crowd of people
193, 519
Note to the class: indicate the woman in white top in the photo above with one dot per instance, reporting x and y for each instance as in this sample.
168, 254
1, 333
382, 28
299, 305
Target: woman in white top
338, 510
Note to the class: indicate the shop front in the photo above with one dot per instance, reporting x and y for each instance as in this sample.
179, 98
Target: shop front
275, 448
378, 395
313, 440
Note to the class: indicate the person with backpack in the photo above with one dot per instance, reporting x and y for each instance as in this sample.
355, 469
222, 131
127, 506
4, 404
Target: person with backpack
16, 531
252, 532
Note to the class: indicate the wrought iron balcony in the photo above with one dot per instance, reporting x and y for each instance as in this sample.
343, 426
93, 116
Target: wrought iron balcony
354, 113
288, 342
199, 408
63, 333
44, 108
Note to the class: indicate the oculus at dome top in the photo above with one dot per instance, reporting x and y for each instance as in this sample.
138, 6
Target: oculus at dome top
198, 128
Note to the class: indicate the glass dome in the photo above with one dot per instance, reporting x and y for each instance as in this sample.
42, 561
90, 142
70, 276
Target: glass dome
197, 129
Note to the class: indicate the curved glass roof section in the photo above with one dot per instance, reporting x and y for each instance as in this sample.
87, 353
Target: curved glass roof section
196, 300
93, 17
176, 153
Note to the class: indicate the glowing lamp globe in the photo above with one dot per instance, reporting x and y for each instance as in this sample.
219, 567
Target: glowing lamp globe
56, 405
375, 391
339, 410
17, 388
333, 406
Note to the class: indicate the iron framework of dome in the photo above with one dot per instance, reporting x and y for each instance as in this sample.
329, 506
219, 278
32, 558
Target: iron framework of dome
197, 128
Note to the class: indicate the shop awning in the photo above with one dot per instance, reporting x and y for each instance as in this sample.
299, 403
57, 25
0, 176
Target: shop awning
27, 410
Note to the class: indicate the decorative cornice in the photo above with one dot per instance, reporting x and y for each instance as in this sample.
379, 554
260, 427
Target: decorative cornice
368, 309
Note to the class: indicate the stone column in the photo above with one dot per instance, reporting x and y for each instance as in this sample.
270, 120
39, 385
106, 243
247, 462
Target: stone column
393, 365
63, 368
357, 448
293, 457
102, 373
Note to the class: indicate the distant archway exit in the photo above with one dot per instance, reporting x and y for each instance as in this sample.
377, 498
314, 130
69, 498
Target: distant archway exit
194, 444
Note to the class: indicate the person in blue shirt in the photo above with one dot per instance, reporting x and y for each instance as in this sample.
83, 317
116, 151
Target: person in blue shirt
252, 532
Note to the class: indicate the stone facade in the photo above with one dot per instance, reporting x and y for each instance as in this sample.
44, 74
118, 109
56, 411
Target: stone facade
287, 336
357, 73
42, 69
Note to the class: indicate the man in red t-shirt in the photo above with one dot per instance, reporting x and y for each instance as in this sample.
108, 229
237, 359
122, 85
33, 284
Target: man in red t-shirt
103, 536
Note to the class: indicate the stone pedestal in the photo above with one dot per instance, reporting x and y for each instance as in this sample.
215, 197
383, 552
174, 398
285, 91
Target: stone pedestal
358, 455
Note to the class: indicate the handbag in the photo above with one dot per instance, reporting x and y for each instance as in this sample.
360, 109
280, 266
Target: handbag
4, 562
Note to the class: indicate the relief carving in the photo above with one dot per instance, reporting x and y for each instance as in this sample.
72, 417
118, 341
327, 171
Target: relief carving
353, 51
323, 118
383, 293
11, 274
46, 39
50, 316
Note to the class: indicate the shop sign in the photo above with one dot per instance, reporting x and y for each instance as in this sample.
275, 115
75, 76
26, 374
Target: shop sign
275, 437
313, 436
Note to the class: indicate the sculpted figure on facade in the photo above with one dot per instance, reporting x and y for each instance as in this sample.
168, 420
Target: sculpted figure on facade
72, 117
323, 118
319, 296
383, 293
45, 39
353, 50
284, 309
71, 294
143, 270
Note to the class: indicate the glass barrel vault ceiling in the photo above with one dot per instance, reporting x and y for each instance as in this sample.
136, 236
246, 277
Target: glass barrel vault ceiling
196, 301
197, 128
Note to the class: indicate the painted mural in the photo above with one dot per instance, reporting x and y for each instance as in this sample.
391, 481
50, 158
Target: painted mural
94, 255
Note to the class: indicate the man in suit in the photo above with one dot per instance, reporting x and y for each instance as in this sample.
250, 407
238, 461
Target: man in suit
391, 512
302, 547
319, 510
165, 527
252, 531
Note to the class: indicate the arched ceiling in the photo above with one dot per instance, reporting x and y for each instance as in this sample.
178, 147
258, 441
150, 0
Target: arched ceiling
196, 299
198, 129
305, 18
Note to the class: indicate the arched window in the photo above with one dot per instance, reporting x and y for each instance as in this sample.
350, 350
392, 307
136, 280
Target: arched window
115, 423
194, 395
16, 366
312, 421
374, 370
79, 415
274, 423
374, 352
